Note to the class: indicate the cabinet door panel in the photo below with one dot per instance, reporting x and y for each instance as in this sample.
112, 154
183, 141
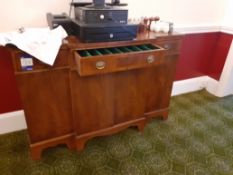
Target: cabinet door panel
128, 96
92, 99
158, 84
46, 101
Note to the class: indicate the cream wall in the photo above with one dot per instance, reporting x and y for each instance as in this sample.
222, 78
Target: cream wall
181, 12
31, 13
28, 13
228, 20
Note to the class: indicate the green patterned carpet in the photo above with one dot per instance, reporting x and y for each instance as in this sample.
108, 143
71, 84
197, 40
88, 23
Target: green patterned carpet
197, 139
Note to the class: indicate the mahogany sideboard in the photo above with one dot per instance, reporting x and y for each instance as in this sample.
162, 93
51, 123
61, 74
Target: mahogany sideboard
96, 89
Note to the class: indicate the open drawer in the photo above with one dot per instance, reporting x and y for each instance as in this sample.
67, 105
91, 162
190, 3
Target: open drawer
113, 59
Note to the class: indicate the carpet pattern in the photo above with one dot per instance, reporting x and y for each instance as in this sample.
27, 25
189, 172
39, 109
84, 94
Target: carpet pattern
197, 139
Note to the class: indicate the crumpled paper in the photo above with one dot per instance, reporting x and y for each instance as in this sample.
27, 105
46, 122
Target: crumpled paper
41, 43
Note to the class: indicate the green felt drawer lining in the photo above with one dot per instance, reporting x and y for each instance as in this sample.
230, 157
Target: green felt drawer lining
116, 50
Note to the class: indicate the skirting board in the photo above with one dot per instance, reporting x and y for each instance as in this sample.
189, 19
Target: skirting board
189, 85
15, 121
12, 121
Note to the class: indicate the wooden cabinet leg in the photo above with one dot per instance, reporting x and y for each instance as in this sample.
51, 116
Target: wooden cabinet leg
165, 115
82, 139
80, 144
36, 153
37, 148
141, 126
71, 145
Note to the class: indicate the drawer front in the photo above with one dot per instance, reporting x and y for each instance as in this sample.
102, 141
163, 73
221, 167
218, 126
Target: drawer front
108, 34
172, 47
117, 62
25, 62
145, 60
101, 65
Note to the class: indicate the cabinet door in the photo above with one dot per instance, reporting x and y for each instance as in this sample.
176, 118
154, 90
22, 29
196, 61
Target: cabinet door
158, 84
128, 96
46, 101
93, 102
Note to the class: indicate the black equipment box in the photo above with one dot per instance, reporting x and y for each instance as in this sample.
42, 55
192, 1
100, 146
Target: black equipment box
108, 14
102, 33
96, 22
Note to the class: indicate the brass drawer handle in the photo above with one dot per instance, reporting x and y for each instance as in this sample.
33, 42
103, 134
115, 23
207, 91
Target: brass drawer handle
150, 59
100, 65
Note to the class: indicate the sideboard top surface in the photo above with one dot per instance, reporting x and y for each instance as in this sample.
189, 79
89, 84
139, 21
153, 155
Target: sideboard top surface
74, 43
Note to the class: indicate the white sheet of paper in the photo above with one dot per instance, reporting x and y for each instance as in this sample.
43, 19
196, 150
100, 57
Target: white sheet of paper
42, 43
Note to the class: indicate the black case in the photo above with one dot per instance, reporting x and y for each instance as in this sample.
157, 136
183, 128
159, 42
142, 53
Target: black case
89, 27
103, 33
103, 23
107, 15
93, 32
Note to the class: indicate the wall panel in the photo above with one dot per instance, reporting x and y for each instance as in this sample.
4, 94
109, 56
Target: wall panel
9, 96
